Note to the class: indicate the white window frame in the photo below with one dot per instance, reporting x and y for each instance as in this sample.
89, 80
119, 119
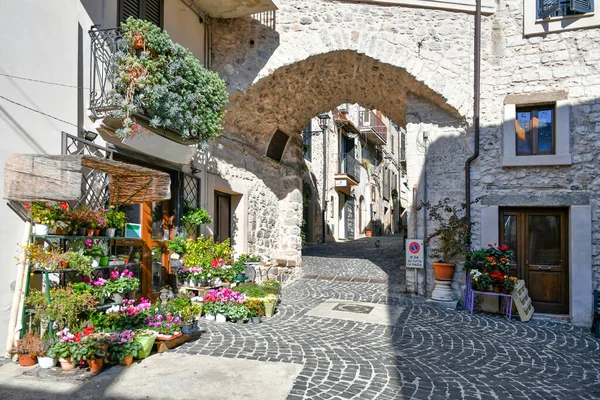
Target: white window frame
562, 106
534, 26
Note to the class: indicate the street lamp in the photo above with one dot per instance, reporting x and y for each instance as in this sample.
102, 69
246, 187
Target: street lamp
323, 122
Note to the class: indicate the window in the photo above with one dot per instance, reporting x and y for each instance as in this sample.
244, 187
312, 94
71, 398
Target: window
149, 10
563, 8
307, 141
541, 17
277, 145
534, 130
392, 143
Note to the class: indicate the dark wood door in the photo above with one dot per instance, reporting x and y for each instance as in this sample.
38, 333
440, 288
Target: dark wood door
222, 216
539, 239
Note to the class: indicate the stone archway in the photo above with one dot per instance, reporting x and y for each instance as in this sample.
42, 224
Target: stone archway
279, 79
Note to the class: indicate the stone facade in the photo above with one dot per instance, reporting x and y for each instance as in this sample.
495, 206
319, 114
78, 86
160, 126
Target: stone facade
398, 59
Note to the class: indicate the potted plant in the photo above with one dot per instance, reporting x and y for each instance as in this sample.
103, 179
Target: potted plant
255, 310
92, 348
237, 312
41, 215
44, 360
63, 349
115, 220
28, 348
80, 262
123, 347
450, 232
269, 305
196, 216
189, 313
480, 281
508, 284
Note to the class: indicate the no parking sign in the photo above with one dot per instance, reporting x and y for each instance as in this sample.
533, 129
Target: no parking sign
414, 253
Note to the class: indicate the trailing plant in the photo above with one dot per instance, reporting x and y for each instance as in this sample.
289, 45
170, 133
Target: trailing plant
45, 258
177, 245
450, 232
166, 82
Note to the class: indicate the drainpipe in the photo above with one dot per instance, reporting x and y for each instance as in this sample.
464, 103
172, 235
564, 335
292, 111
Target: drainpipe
324, 184
476, 103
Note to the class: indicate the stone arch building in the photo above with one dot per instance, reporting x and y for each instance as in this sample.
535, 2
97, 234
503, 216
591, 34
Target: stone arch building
415, 64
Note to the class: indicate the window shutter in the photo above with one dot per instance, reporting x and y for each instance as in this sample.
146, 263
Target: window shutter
153, 11
582, 6
547, 7
129, 8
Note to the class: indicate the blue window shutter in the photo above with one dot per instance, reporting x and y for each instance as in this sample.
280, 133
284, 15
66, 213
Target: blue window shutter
547, 7
582, 6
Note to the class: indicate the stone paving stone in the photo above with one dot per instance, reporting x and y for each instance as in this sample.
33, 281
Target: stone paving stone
430, 353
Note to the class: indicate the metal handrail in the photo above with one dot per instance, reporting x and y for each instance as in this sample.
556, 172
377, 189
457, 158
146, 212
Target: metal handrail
369, 119
350, 166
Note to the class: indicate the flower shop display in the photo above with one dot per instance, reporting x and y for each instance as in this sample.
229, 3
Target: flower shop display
64, 310
28, 348
167, 83
489, 268
46, 216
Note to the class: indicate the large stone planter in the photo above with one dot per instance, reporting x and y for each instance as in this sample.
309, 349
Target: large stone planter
443, 272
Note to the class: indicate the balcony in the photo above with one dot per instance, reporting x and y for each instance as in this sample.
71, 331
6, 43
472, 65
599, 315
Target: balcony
372, 127
349, 174
105, 44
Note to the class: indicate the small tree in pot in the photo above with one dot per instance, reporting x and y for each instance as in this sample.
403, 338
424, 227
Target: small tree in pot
450, 234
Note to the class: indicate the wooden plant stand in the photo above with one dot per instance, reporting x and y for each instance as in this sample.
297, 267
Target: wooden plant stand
164, 345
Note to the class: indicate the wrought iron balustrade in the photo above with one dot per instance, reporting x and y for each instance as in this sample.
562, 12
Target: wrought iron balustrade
368, 119
105, 44
350, 166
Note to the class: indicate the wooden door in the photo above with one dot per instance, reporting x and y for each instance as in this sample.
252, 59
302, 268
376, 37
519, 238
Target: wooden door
222, 216
539, 239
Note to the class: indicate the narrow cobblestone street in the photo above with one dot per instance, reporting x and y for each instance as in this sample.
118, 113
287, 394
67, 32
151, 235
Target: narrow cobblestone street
430, 353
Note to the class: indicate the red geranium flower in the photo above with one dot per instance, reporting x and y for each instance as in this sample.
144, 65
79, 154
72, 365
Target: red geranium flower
503, 247
64, 206
78, 337
27, 207
88, 331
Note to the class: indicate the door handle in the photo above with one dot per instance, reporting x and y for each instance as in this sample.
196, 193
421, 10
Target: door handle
545, 268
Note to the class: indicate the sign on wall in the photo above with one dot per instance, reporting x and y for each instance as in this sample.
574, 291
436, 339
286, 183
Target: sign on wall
414, 253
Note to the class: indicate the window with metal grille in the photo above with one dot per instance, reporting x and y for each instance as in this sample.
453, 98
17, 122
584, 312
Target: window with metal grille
307, 141
534, 130
563, 8
149, 10
277, 145
191, 197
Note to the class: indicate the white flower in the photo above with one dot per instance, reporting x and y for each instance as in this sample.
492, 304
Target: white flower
175, 256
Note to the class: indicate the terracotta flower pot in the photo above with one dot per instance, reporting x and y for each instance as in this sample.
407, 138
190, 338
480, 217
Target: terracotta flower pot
90, 232
368, 233
96, 365
25, 360
496, 289
127, 361
443, 271
67, 364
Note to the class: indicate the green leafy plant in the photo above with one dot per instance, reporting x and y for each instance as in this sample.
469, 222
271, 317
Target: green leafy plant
271, 286
122, 345
250, 290
190, 312
90, 347
80, 263
450, 230
237, 311
166, 82
177, 245
197, 216
65, 308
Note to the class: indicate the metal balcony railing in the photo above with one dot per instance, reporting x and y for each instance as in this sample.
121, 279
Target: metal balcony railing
105, 44
350, 166
368, 119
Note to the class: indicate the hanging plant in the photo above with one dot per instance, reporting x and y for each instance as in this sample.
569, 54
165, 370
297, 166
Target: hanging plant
165, 82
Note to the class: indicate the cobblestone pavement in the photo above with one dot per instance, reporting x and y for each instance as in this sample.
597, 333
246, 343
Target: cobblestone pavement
430, 353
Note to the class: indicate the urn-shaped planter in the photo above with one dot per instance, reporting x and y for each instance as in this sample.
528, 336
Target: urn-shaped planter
443, 271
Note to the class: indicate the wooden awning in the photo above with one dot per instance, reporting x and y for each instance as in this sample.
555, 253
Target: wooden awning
31, 177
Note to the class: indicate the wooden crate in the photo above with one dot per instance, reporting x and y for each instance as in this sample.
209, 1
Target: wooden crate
522, 301
164, 345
